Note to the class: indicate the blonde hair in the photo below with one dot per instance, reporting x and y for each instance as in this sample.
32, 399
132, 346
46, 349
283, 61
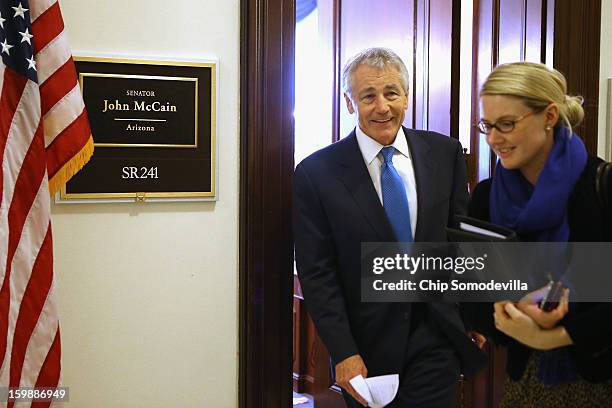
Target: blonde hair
536, 86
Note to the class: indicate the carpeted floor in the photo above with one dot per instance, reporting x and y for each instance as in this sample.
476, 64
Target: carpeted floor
298, 401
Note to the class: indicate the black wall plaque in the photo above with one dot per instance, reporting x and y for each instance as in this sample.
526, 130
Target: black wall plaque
153, 125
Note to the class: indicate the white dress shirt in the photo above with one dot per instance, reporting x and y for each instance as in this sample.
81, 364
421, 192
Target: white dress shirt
402, 161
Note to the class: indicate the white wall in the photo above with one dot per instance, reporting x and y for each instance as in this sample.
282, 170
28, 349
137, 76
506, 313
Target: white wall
604, 147
148, 292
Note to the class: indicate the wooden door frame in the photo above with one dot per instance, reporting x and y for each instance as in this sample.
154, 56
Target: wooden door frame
266, 172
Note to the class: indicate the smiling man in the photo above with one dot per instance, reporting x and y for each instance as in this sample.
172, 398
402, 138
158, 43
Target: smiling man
382, 183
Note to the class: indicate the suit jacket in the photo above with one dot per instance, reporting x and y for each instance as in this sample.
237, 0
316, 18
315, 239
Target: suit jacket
336, 208
586, 323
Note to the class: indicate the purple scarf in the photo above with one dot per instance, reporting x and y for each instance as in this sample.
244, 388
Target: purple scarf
540, 213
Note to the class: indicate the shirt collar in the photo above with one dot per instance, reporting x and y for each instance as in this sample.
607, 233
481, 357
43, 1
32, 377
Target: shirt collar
370, 147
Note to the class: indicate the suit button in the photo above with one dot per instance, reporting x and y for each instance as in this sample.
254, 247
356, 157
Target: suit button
407, 316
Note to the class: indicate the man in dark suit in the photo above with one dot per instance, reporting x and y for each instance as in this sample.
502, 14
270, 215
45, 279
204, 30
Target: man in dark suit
382, 183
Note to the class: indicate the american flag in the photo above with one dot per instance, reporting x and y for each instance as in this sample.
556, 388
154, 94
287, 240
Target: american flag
44, 139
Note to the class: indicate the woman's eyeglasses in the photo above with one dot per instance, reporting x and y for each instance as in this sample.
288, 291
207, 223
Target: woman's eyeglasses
503, 125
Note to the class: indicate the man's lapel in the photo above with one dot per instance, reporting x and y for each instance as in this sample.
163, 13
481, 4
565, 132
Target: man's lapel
355, 176
425, 176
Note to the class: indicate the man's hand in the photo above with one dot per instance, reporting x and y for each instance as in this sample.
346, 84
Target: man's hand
477, 338
346, 370
547, 320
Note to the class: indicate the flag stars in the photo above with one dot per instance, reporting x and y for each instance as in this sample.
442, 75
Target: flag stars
20, 11
17, 39
6, 48
26, 36
31, 63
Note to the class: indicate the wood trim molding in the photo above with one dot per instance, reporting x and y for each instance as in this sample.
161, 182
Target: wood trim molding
413, 79
455, 69
266, 171
548, 7
337, 100
302, 379
495, 61
472, 158
576, 55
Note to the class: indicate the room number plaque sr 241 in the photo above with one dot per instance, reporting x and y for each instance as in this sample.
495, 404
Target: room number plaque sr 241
154, 130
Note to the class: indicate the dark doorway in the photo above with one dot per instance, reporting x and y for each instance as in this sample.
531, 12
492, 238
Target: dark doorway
267, 149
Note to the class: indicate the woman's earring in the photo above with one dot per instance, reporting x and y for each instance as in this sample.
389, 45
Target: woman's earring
548, 127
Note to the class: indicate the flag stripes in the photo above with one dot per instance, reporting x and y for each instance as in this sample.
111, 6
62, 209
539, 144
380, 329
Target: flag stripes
44, 140
48, 26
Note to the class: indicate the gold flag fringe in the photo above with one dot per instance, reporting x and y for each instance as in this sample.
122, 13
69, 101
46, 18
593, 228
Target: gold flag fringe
69, 169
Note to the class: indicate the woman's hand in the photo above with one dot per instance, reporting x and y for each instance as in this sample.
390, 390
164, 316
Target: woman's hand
530, 305
516, 324
521, 327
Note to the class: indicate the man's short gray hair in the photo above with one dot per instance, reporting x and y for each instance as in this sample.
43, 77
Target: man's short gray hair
376, 57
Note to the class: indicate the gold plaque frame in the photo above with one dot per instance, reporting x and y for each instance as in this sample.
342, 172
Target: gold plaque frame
152, 77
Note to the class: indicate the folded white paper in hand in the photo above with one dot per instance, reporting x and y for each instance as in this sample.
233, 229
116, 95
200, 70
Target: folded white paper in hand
377, 391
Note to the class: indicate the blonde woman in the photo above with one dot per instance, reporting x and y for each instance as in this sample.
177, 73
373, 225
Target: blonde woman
543, 187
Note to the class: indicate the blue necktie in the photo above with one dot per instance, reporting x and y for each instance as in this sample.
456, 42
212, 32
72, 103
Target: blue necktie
394, 197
